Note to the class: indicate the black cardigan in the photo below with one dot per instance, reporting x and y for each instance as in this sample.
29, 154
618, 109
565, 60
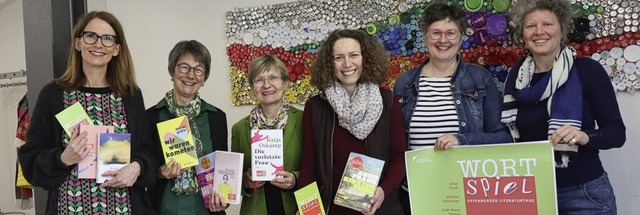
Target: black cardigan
218, 130
40, 156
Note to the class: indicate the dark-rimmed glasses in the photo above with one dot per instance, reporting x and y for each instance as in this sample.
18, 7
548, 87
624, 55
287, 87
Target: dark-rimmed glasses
436, 34
91, 38
184, 68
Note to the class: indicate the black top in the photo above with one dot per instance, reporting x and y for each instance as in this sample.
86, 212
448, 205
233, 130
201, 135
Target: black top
40, 156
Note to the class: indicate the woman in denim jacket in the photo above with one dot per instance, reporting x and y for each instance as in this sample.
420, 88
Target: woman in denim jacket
446, 101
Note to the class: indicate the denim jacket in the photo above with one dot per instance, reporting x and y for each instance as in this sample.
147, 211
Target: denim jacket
476, 98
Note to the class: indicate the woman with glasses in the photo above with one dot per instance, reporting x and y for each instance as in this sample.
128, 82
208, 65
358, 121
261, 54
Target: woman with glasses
177, 191
269, 78
446, 101
353, 114
100, 77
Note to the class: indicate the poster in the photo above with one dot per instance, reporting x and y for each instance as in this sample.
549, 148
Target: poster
516, 178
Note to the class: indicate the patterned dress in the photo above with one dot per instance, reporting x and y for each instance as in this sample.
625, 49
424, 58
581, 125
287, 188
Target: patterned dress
84, 196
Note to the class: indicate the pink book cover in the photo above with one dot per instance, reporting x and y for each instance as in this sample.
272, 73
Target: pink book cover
88, 166
228, 176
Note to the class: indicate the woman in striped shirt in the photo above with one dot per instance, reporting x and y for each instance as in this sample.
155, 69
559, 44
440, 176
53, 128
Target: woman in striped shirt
446, 101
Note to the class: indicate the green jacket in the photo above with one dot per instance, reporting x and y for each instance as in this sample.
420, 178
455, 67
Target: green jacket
241, 142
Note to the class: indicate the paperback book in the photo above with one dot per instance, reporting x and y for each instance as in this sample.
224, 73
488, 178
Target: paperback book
88, 166
114, 152
227, 177
177, 142
204, 173
309, 201
359, 182
73, 115
266, 154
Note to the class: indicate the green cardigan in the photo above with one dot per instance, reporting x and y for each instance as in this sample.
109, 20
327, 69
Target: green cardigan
240, 142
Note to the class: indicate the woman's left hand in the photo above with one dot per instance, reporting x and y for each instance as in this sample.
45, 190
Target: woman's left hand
287, 180
569, 135
445, 142
376, 200
216, 202
124, 177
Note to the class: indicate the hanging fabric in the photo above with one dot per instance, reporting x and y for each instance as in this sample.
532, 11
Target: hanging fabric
24, 190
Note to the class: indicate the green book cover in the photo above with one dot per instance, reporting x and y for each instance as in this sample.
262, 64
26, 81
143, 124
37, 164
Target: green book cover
515, 178
309, 201
70, 117
359, 182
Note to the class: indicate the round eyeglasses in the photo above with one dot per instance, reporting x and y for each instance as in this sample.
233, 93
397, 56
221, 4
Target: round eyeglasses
184, 68
272, 79
436, 34
91, 38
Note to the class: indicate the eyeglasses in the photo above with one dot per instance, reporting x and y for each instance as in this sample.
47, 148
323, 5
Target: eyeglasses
91, 38
184, 68
260, 81
436, 34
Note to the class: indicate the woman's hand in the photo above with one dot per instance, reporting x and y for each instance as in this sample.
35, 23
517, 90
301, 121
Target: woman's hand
216, 202
287, 181
124, 177
247, 182
445, 142
169, 170
376, 200
76, 150
569, 135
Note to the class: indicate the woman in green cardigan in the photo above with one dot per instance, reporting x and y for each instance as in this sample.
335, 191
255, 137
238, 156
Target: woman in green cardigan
269, 79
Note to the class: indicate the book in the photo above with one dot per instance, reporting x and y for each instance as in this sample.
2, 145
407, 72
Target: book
227, 177
114, 152
204, 174
177, 142
71, 116
88, 166
359, 182
309, 201
266, 154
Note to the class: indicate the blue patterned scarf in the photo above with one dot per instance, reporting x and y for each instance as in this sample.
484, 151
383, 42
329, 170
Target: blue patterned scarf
561, 86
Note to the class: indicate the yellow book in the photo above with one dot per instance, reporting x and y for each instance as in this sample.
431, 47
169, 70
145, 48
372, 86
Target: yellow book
177, 142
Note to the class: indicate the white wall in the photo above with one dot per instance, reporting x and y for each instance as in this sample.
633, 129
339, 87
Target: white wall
152, 28
11, 59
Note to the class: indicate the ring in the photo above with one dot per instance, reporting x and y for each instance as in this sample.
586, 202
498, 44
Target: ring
573, 141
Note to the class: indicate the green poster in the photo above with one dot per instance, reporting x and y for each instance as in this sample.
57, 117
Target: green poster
516, 178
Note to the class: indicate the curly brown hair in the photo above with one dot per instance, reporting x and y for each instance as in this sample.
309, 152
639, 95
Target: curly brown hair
374, 59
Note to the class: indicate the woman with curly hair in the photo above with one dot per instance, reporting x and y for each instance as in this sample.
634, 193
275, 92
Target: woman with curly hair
551, 94
352, 114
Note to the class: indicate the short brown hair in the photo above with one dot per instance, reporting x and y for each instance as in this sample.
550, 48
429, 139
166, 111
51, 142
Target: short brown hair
441, 11
374, 59
120, 72
197, 50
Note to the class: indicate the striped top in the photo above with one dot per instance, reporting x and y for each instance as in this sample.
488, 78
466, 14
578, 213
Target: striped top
435, 112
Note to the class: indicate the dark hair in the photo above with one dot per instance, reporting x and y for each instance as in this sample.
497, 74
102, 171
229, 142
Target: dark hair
524, 7
441, 11
264, 63
374, 59
190, 47
120, 71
